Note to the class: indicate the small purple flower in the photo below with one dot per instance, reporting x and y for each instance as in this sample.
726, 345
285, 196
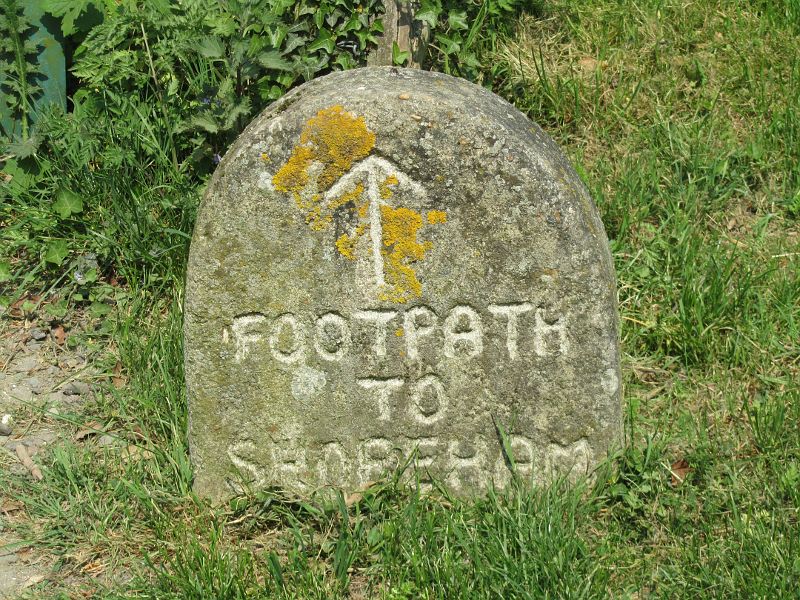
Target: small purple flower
205, 100
216, 158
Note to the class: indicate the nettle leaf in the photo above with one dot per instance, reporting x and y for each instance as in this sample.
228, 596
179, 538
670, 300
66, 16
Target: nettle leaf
272, 59
57, 251
68, 11
67, 203
222, 24
324, 40
457, 19
25, 148
211, 47
204, 121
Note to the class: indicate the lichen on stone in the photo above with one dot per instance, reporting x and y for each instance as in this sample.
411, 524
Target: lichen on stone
402, 249
330, 144
334, 138
436, 217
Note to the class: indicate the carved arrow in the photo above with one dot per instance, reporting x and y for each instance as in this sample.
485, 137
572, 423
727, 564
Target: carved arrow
371, 171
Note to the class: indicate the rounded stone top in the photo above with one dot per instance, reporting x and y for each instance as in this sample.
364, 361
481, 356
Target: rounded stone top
390, 262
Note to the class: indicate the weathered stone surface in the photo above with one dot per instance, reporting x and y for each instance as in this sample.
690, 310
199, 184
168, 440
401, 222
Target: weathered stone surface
389, 261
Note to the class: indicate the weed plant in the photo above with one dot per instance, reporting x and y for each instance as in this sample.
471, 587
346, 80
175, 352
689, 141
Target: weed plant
683, 121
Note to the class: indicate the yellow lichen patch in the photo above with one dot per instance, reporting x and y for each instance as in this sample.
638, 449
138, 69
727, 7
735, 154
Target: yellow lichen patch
400, 227
363, 209
265, 157
399, 332
351, 196
384, 189
315, 219
334, 138
346, 246
293, 176
437, 216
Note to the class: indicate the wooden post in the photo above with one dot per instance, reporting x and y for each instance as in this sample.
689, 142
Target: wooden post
399, 27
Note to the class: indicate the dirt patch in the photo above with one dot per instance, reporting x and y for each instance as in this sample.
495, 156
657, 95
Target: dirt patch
45, 384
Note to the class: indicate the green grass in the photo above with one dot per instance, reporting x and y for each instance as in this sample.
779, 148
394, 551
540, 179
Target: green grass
684, 121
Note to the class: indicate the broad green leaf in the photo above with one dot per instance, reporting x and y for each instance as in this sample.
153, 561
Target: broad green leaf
399, 57
99, 309
56, 252
67, 203
447, 44
277, 35
5, 270
58, 310
25, 148
457, 19
319, 17
429, 13
469, 59
293, 42
324, 40
222, 24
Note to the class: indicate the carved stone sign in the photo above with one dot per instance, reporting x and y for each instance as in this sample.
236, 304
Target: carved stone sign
389, 264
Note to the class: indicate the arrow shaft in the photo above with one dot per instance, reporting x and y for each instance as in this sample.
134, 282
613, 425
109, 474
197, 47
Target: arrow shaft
375, 225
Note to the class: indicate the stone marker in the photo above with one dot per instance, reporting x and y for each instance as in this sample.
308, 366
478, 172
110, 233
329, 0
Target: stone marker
392, 262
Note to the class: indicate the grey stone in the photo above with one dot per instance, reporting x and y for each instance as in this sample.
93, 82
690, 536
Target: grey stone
55, 398
21, 391
76, 388
34, 441
25, 364
37, 385
391, 262
106, 440
37, 334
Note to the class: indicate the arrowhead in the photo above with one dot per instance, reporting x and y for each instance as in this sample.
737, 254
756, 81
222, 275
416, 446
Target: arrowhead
373, 169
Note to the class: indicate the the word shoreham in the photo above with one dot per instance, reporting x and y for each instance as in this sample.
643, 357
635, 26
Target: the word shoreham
460, 333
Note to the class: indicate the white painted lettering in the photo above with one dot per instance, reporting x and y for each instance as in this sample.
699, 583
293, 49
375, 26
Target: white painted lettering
296, 351
417, 322
238, 453
543, 331
511, 313
324, 339
428, 400
333, 466
374, 459
383, 389
466, 464
379, 318
245, 334
469, 337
